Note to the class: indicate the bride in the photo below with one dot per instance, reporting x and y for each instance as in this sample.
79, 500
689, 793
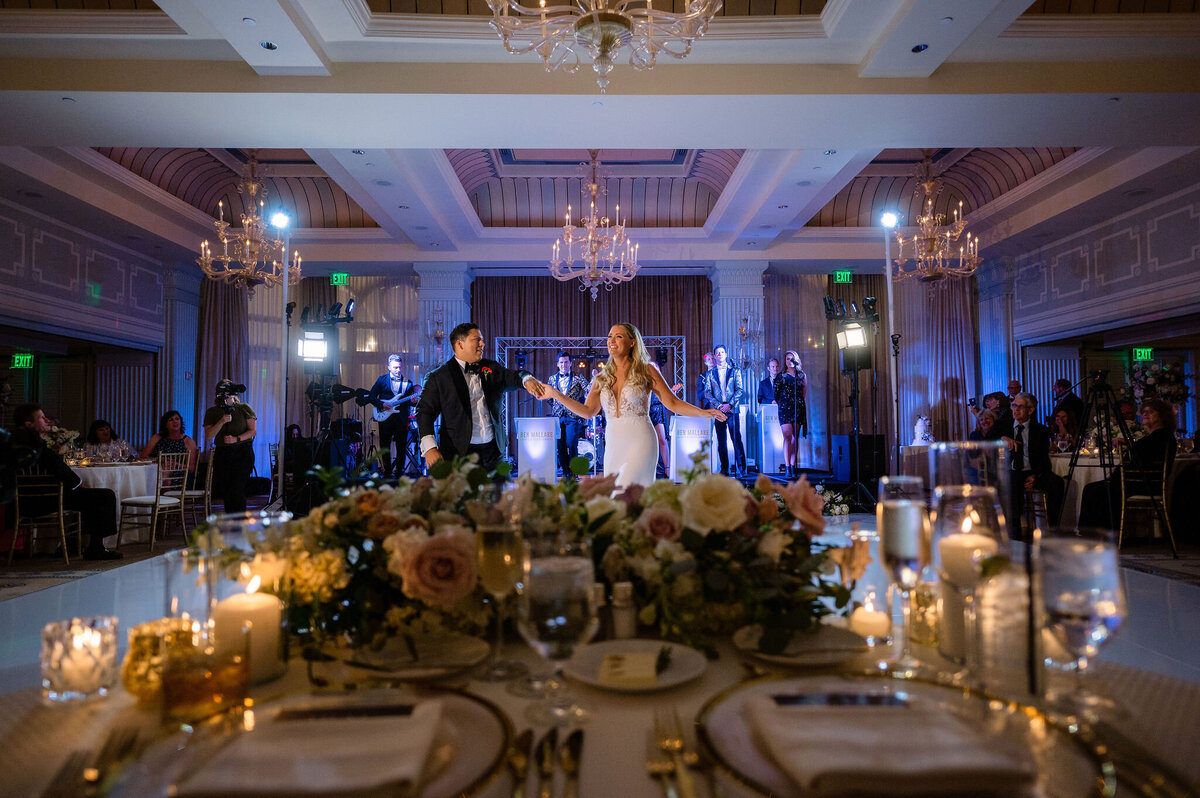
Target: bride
622, 389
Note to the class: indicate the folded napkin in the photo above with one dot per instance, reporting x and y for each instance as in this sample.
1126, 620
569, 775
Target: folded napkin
328, 756
885, 750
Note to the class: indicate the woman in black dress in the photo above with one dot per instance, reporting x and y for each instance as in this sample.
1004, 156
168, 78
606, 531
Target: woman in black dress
172, 438
791, 394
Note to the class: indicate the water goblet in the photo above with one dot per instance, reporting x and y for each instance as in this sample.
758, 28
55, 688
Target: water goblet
903, 547
499, 556
556, 611
1084, 604
967, 532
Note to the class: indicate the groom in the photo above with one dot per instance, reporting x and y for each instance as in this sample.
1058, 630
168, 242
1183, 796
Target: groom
465, 392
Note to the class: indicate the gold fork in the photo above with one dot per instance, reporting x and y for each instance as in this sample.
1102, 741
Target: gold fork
669, 733
660, 766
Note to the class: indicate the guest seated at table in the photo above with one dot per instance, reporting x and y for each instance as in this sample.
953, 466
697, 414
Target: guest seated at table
997, 404
171, 438
1063, 433
1031, 462
985, 423
97, 506
1101, 502
103, 442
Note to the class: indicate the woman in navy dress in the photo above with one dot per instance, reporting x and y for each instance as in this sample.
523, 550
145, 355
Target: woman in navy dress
791, 394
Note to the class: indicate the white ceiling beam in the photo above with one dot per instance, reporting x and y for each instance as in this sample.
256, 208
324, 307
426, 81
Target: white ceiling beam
922, 35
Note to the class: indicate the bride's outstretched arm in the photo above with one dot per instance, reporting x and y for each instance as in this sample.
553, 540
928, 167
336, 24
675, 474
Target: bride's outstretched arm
587, 410
677, 405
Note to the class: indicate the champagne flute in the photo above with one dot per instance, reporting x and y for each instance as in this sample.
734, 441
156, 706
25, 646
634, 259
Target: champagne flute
968, 530
903, 547
1084, 603
499, 553
556, 611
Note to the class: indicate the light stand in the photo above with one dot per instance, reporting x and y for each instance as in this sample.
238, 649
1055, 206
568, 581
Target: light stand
889, 221
855, 351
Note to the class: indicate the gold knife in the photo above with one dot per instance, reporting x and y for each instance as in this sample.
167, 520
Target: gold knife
544, 757
518, 761
568, 756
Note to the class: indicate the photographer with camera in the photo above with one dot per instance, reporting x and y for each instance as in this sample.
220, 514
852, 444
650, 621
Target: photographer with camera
231, 425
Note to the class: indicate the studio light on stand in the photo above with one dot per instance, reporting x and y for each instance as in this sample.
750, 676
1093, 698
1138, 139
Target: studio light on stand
854, 350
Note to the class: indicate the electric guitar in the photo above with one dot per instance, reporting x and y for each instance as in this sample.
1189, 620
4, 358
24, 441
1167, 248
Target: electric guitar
388, 409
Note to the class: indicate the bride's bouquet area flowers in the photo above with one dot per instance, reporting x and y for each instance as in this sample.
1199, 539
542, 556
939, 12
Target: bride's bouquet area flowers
706, 556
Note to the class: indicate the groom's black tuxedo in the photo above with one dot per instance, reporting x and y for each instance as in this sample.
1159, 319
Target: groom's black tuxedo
446, 395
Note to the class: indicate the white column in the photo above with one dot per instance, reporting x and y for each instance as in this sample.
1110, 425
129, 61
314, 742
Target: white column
737, 324
444, 298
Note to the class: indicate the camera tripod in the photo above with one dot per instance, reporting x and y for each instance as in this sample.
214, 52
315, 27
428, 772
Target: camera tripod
860, 494
1099, 413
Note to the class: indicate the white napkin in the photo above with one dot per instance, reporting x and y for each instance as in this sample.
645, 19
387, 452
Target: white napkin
884, 750
325, 756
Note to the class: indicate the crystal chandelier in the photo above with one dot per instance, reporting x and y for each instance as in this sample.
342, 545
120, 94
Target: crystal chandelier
562, 34
250, 256
928, 254
606, 255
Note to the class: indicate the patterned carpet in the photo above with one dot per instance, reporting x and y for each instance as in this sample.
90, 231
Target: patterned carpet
45, 570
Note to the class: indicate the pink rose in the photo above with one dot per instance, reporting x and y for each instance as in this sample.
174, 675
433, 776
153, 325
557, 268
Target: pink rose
590, 487
805, 504
440, 570
659, 523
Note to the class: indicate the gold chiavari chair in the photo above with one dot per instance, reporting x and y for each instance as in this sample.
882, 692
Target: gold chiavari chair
42, 497
164, 504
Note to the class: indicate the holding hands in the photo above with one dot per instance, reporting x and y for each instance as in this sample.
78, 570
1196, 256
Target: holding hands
715, 413
538, 390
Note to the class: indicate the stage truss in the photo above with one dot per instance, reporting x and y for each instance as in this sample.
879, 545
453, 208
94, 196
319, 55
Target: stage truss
675, 369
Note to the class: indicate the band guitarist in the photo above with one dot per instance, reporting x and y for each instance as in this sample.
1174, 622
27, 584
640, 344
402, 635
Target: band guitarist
392, 397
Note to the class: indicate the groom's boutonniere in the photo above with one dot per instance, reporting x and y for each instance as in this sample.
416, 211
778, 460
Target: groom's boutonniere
485, 371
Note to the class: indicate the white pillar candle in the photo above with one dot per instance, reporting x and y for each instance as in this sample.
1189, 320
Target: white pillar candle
961, 555
869, 621
265, 613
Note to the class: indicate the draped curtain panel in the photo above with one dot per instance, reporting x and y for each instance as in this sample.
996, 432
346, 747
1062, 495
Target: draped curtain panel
312, 293
545, 307
224, 343
794, 318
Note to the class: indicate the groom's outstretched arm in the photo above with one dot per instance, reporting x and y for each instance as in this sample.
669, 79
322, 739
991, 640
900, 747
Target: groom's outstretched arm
429, 407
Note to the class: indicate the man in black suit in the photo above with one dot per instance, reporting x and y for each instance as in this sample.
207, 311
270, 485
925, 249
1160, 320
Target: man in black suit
1031, 468
97, 507
723, 390
1066, 399
766, 386
570, 426
392, 393
465, 393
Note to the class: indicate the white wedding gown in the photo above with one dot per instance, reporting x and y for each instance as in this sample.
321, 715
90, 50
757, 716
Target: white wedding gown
630, 442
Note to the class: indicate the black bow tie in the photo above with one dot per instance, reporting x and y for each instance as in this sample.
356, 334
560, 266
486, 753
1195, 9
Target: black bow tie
472, 368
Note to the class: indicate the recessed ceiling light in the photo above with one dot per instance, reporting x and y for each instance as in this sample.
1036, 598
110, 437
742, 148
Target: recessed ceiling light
1135, 192
268, 45
368, 163
434, 244
133, 238
402, 207
920, 48
597, 105
359, 152
803, 183
29, 194
947, 20
831, 152
383, 182
68, 99
249, 22
421, 227
765, 227
781, 207
1114, 99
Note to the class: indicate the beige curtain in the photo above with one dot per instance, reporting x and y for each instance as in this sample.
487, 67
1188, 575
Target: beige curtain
224, 343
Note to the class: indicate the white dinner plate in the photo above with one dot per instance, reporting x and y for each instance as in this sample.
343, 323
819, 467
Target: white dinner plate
827, 646
469, 749
686, 664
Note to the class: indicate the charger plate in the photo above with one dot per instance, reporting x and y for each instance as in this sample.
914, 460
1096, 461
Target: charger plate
1072, 761
468, 753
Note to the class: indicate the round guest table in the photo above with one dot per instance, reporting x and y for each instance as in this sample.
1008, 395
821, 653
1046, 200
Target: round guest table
138, 478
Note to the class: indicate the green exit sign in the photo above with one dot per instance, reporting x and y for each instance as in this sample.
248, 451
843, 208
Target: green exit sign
842, 276
339, 278
1143, 353
22, 360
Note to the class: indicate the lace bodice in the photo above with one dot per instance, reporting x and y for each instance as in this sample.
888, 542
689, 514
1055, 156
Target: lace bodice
635, 401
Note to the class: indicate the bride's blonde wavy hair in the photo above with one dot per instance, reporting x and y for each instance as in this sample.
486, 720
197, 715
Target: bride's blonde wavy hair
639, 365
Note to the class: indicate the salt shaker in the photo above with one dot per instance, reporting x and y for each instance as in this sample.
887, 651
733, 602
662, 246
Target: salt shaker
624, 613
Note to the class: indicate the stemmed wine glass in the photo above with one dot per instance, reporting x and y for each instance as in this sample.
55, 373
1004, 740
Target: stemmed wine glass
556, 611
903, 547
1084, 603
968, 530
499, 554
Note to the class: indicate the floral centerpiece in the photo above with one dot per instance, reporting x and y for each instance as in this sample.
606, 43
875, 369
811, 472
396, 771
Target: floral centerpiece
833, 502
706, 557
1165, 381
60, 440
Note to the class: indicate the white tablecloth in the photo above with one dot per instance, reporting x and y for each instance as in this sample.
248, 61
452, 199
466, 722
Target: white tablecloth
1087, 469
125, 480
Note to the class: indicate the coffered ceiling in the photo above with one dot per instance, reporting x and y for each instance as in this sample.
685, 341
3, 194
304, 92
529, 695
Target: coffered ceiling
399, 131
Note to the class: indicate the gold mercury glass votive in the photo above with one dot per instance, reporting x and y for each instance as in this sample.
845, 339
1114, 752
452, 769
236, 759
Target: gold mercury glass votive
141, 673
206, 675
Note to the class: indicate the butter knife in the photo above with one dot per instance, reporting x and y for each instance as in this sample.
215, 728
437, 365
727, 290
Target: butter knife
568, 756
518, 761
544, 757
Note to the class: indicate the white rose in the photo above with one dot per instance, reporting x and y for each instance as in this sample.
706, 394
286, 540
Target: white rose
773, 543
599, 506
671, 550
713, 502
661, 493
843, 509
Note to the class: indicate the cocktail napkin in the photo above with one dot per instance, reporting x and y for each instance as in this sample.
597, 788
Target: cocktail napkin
899, 750
326, 756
